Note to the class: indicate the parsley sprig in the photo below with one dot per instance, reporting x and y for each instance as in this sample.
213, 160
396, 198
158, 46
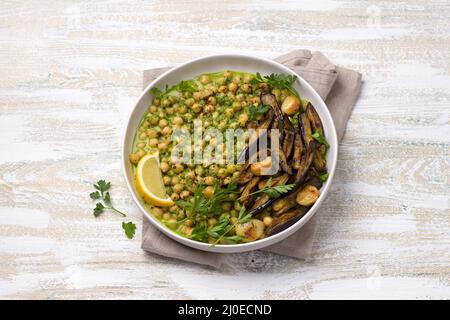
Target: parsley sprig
279, 81
273, 192
105, 203
204, 206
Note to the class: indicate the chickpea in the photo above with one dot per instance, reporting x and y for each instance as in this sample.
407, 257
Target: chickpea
209, 180
153, 109
199, 170
222, 173
243, 118
157, 212
142, 136
208, 192
163, 123
232, 87
165, 102
134, 158
190, 174
237, 206
172, 223
204, 79
197, 95
188, 223
211, 221
170, 111
178, 188
226, 206
268, 221
227, 73
140, 153
153, 142
167, 216
233, 220
237, 79
164, 167
156, 102
209, 108
237, 105
175, 180
154, 120
178, 120
166, 131
184, 194
175, 196
229, 112
186, 230
212, 101
167, 180
173, 208
178, 167
246, 88
231, 168
189, 102
162, 146
182, 110
223, 89
196, 108
255, 100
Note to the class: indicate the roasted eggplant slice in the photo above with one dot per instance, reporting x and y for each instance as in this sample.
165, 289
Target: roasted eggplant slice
305, 164
320, 162
298, 151
286, 220
286, 203
305, 128
245, 198
264, 200
313, 117
284, 163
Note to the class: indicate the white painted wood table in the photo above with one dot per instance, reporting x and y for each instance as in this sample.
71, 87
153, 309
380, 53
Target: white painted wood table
69, 73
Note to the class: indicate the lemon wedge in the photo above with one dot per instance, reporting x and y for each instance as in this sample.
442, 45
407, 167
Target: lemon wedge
149, 182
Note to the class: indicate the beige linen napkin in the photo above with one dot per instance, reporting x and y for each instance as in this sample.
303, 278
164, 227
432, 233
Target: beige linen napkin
340, 88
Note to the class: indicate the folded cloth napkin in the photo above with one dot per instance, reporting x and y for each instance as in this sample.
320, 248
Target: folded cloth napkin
339, 88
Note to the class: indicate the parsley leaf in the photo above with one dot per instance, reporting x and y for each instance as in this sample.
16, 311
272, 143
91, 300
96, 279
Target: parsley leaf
94, 195
187, 86
319, 137
323, 176
158, 93
254, 112
99, 207
129, 228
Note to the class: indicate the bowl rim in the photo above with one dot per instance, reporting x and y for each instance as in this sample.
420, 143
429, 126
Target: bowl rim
241, 247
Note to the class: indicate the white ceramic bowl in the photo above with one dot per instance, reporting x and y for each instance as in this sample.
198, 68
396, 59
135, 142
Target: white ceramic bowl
216, 63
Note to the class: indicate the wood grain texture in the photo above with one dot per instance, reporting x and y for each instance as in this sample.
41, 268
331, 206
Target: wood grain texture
70, 72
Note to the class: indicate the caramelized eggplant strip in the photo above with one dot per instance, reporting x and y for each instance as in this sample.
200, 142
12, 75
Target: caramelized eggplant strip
286, 203
313, 117
245, 175
298, 151
289, 135
264, 200
284, 163
245, 198
306, 162
320, 162
305, 128
286, 220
